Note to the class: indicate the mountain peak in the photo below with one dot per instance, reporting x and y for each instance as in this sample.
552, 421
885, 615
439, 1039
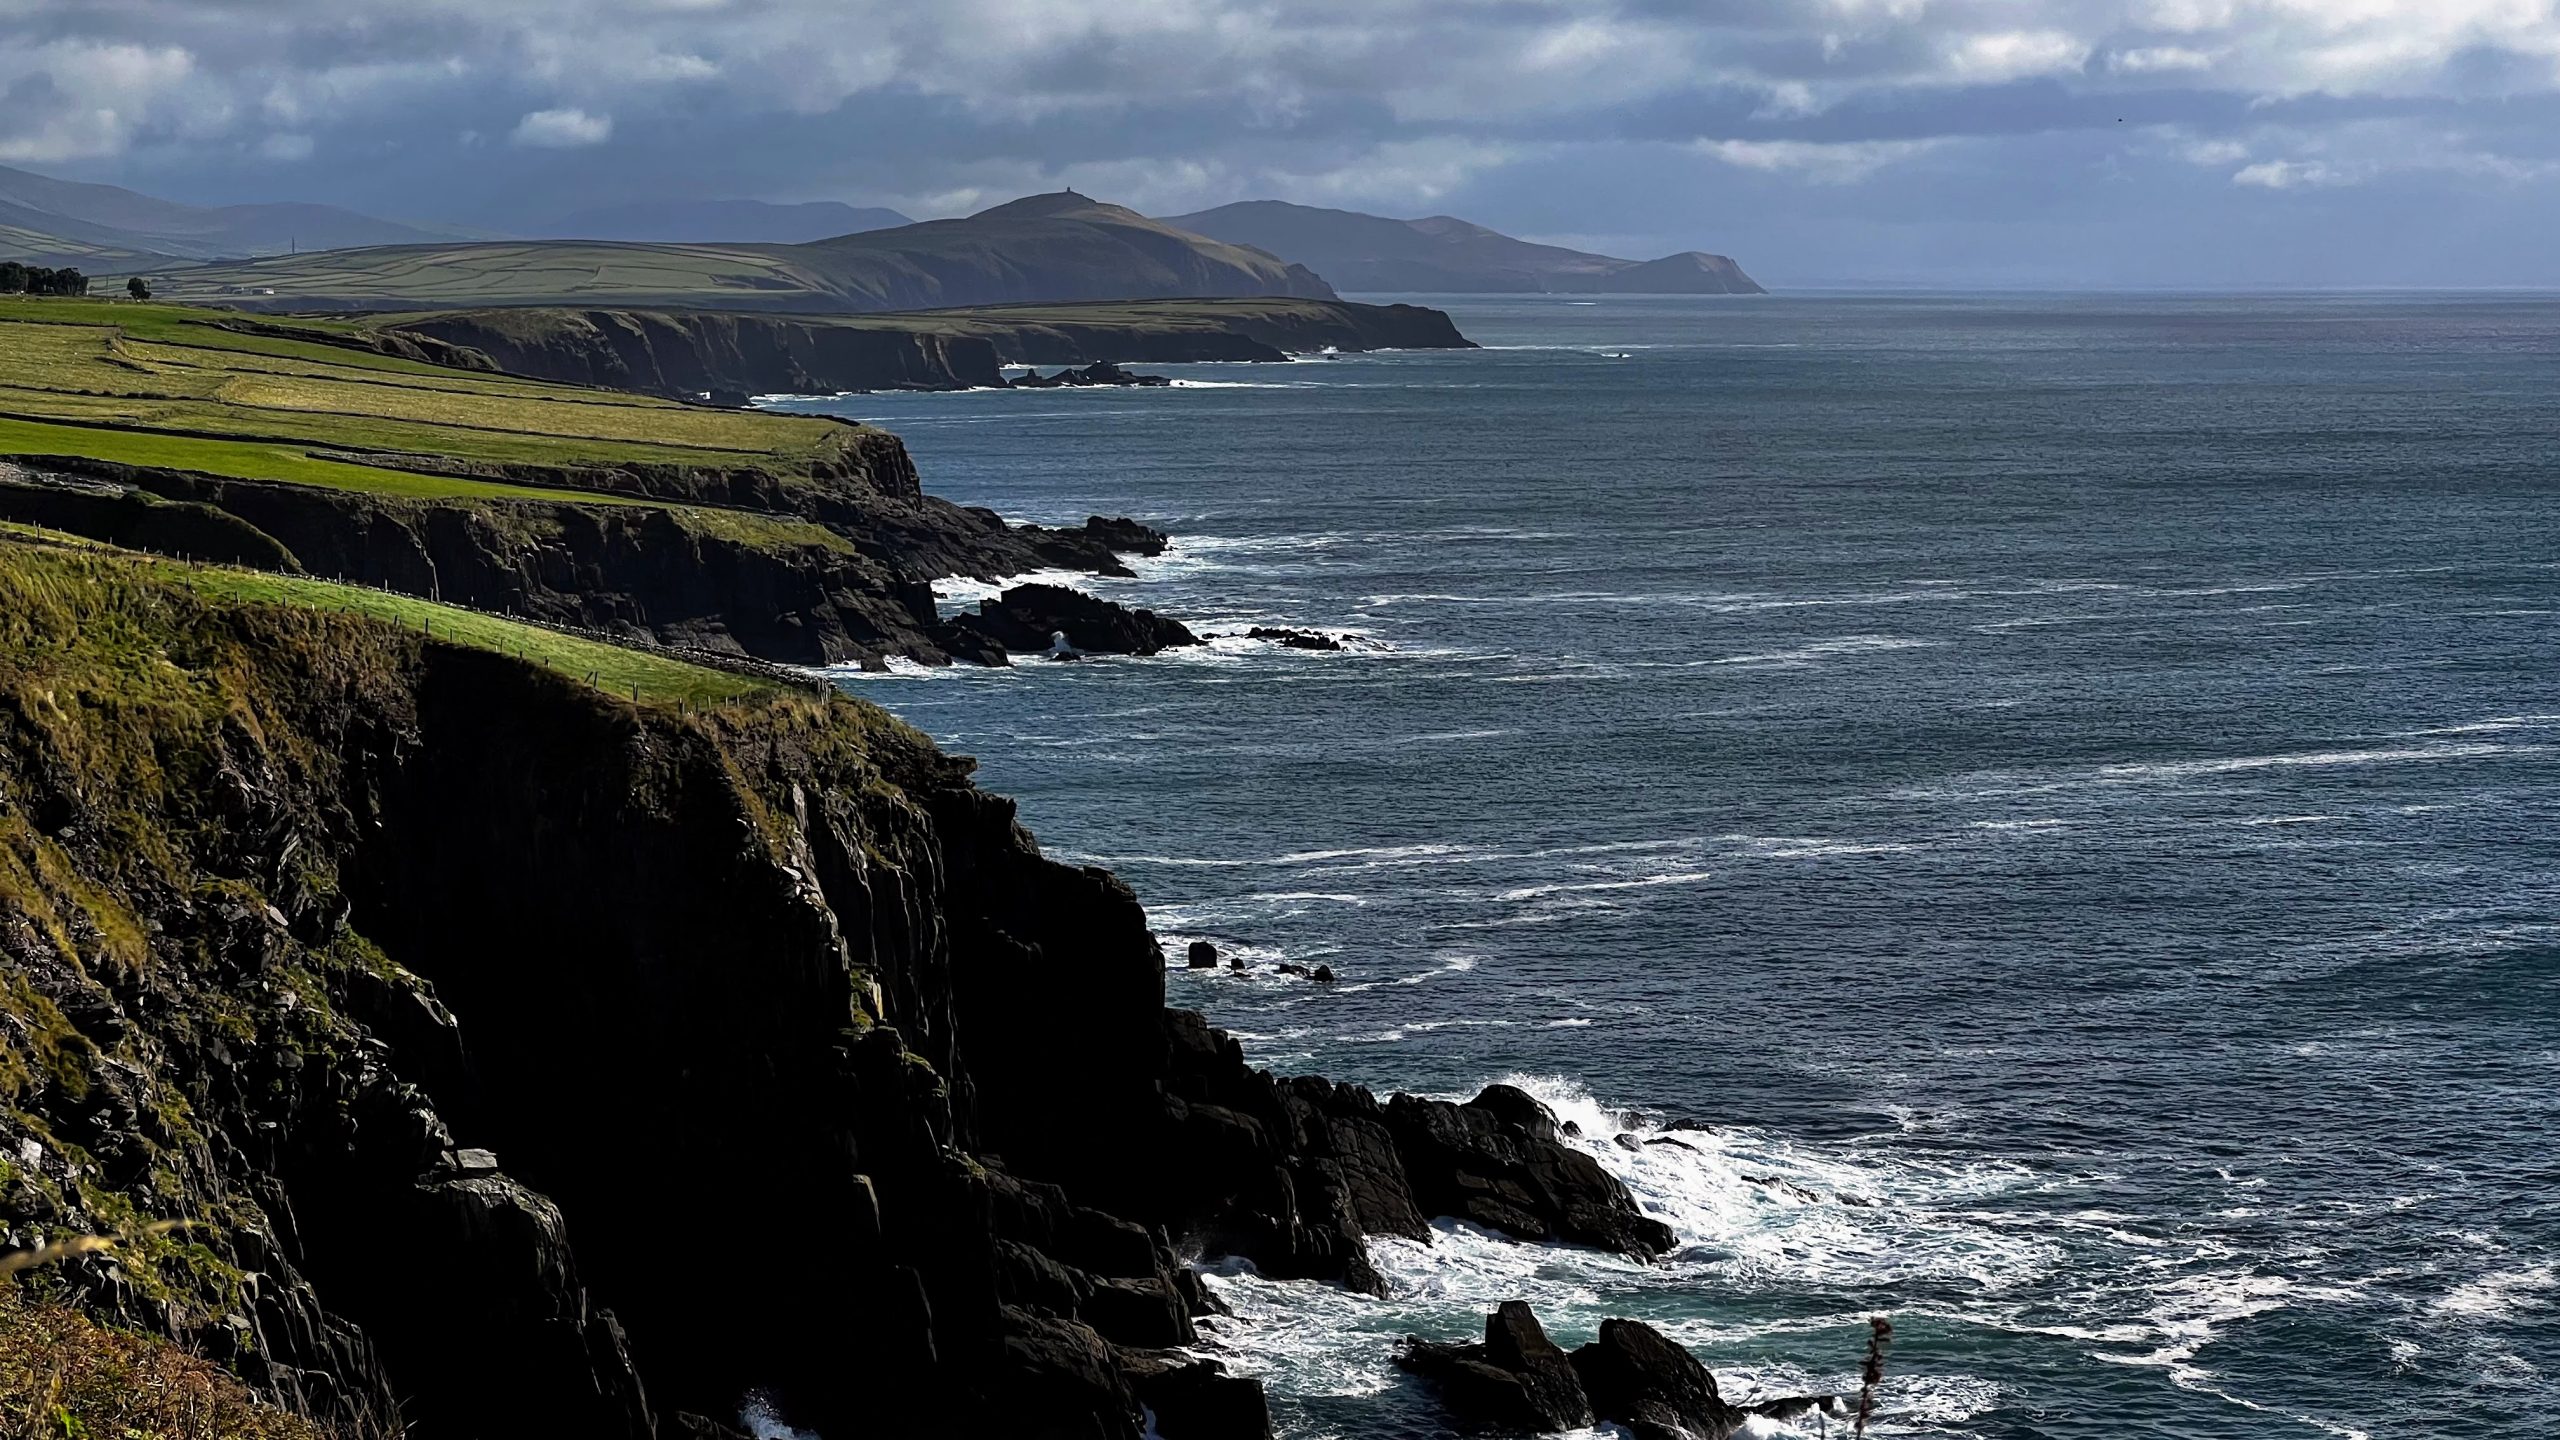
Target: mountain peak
1061, 202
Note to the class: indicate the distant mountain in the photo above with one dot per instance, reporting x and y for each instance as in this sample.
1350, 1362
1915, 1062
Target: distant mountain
717, 221
1045, 248
105, 224
1444, 255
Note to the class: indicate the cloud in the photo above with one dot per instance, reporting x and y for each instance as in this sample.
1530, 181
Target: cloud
562, 129
1849, 110
2291, 175
1837, 163
74, 99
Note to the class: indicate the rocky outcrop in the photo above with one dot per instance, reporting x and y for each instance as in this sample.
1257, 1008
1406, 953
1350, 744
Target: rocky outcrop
855, 589
1029, 617
688, 353
1517, 1379
1632, 1376
1096, 545
539, 1064
1639, 1378
1100, 373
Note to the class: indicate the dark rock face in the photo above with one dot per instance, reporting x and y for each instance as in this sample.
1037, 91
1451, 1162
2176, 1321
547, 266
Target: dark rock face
685, 354
1197, 1399
1295, 639
461, 975
1516, 1380
1101, 372
1641, 1379
1496, 1161
1025, 617
1096, 545
1632, 1376
630, 572
1202, 955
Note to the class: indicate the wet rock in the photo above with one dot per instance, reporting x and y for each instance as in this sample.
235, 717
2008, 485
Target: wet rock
1797, 1407
1028, 617
1238, 963
1101, 372
1294, 638
1637, 1377
1471, 1162
1517, 1379
1322, 975
1197, 1399
1287, 968
1202, 955
1514, 1106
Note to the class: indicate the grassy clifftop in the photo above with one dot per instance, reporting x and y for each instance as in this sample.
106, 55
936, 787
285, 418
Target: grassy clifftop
170, 385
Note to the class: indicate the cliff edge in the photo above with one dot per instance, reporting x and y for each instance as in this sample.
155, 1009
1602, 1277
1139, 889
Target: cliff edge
530, 1060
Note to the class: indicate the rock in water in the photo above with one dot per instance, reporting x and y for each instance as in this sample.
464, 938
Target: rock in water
1024, 618
1202, 955
1295, 639
1101, 372
1197, 1399
1497, 1161
1638, 1377
1323, 975
1518, 1379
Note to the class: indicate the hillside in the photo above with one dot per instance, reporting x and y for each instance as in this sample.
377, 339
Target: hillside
105, 226
1444, 255
748, 221
328, 449
1048, 248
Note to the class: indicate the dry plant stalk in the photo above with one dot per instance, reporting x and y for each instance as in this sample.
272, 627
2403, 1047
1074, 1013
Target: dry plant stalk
71, 1247
1879, 1335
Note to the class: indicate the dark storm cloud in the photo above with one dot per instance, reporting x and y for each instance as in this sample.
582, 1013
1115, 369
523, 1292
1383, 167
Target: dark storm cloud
2138, 140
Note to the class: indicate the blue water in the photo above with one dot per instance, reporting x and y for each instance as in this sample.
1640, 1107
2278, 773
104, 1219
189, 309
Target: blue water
2063, 790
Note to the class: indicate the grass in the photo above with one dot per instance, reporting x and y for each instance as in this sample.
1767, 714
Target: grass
615, 669
64, 1376
510, 272
35, 563
173, 387
169, 368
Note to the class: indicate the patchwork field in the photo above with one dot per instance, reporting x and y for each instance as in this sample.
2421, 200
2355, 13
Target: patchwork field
167, 385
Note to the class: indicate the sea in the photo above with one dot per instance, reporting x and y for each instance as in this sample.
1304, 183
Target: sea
2033, 816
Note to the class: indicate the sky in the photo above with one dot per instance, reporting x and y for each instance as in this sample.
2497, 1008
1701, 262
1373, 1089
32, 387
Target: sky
2172, 143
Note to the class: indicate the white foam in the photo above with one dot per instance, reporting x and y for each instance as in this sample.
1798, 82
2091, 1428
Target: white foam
968, 590
765, 1423
1822, 650
1532, 892
2504, 1295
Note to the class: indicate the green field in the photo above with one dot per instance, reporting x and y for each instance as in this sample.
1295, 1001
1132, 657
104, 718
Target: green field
173, 387
33, 562
510, 273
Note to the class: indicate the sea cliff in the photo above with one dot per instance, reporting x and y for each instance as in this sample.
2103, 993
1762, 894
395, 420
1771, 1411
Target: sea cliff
532, 1061
730, 353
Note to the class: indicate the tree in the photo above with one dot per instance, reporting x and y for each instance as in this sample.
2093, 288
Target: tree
138, 288
13, 277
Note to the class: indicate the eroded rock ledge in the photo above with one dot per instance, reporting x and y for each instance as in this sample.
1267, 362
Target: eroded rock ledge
546, 1065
